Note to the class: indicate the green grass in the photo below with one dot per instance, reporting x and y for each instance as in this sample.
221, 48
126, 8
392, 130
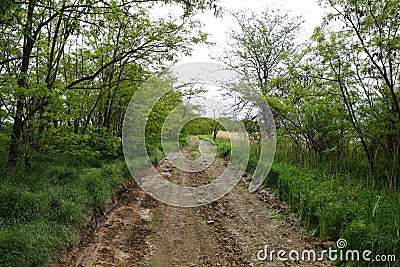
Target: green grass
336, 206
40, 212
334, 202
157, 217
223, 145
195, 155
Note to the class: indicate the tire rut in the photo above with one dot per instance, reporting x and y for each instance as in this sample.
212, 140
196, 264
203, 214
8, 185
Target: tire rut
141, 231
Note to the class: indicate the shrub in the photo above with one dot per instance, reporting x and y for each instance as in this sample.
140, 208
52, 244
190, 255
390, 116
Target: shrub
92, 144
223, 149
155, 153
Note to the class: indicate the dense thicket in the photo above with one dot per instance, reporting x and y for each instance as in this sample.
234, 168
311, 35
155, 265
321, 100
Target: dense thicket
69, 68
337, 95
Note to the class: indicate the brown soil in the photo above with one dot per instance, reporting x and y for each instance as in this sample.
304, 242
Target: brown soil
140, 231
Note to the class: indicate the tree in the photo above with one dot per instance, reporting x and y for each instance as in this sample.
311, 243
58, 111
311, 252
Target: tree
261, 52
51, 49
261, 47
361, 60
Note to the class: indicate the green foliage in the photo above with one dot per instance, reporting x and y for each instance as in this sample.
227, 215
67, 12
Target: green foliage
40, 213
155, 153
223, 148
358, 64
156, 119
183, 140
268, 38
206, 137
89, 61
337, 98
334, 206
254, 157
92, 144
33, 244
64, 92
198, 126
105, 143
160, 111
223, 145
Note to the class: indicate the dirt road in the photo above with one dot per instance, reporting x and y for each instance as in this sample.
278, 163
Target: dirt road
140, 231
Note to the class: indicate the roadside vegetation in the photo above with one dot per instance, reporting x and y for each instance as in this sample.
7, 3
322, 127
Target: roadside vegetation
68, 72
335, 99
332, 204
40, 212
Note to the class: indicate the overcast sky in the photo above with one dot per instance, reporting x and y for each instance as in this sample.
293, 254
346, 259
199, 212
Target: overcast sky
218, 28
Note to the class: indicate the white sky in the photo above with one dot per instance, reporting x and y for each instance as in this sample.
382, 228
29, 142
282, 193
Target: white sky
218, 28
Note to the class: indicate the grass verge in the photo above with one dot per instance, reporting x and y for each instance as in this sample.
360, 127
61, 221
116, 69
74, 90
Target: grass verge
336, 206
40, 212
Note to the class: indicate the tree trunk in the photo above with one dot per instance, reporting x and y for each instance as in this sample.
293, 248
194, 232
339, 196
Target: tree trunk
18, 117
15, 135
215, 132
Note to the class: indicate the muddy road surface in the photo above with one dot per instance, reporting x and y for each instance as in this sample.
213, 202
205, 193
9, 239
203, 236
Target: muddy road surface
233, 231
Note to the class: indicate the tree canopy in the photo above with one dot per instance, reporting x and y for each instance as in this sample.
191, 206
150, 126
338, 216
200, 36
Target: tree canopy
68, 68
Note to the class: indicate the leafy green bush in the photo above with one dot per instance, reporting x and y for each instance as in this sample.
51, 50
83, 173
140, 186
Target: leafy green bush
105, 143
254, 156
183, 140
223, 149
92, 144
155, 153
